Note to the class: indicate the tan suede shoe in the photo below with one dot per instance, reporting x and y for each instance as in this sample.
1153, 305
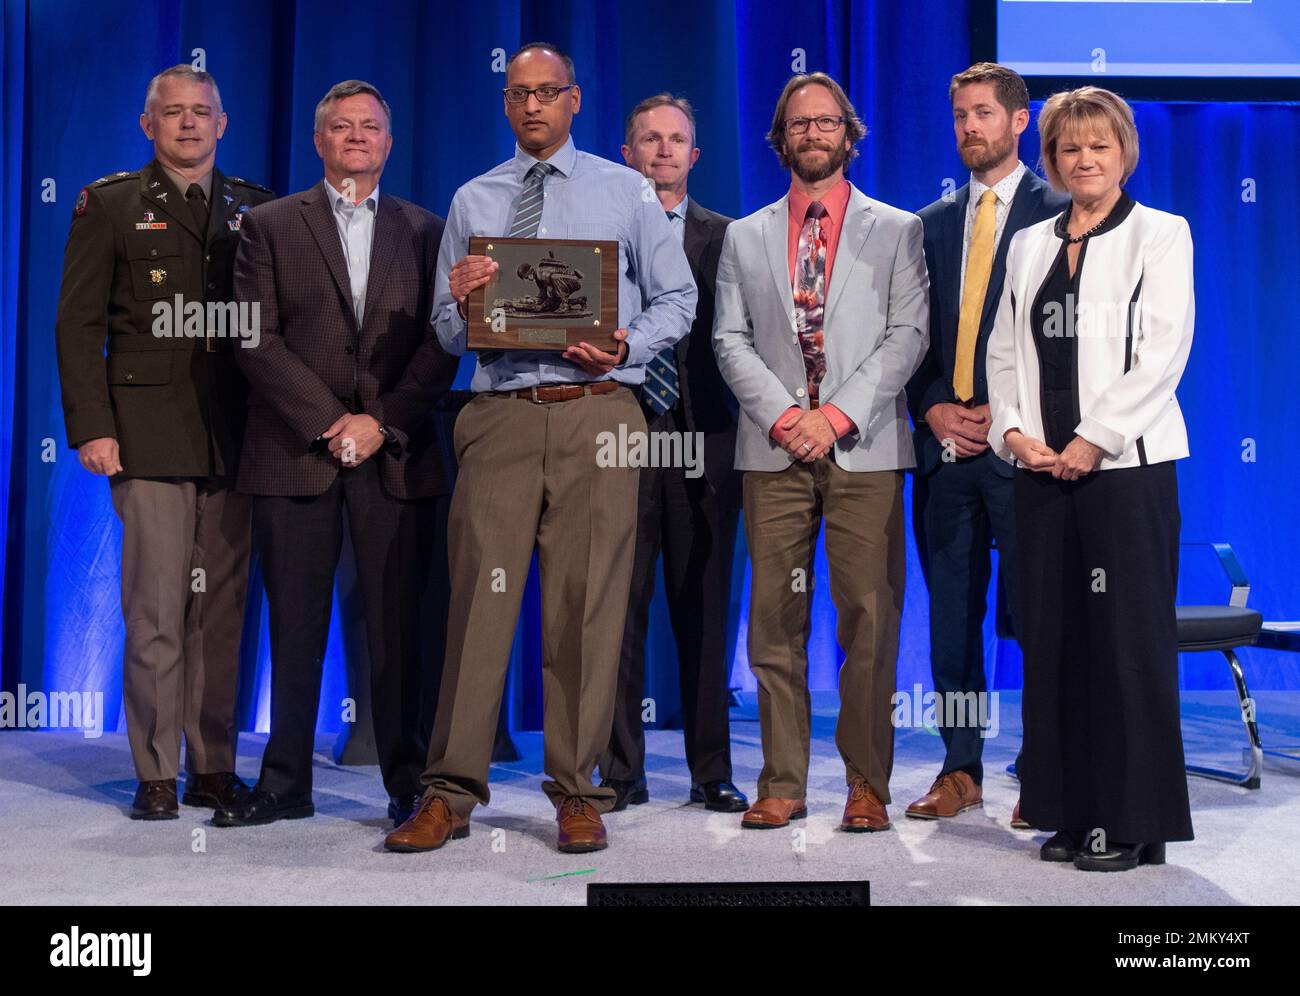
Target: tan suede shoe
770, 813
950, 794
864, 812
432, 826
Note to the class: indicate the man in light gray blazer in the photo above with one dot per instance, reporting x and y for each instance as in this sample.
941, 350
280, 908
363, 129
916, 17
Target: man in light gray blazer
822, 317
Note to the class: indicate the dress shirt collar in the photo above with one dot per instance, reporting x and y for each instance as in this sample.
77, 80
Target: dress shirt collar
680, 209
1005, 189
372, 199
562, 159
836, 202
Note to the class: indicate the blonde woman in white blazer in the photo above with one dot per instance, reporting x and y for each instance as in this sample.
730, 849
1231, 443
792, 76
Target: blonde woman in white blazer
1092, 335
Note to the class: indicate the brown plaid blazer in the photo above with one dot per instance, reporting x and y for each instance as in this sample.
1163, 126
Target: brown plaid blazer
313, 364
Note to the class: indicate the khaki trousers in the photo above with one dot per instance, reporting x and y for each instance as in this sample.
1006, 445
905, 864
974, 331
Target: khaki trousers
529, 478
863, 513
180, 662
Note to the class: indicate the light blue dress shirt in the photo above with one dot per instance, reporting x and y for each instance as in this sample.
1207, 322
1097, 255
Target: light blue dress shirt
678, 220
587, 198
356, 225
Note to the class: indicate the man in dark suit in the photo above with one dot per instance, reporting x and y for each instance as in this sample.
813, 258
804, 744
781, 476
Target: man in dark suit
344, 375
962, 494
149, 258
689, 513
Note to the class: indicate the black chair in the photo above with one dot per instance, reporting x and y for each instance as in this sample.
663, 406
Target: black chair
1225, 628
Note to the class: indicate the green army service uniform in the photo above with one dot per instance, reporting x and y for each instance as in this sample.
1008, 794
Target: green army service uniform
135, 366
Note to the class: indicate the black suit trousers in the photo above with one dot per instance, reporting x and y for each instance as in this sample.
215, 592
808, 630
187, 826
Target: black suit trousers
299, 540
696, 530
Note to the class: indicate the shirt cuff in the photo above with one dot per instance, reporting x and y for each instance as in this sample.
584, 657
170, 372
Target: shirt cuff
840, 423
776, 432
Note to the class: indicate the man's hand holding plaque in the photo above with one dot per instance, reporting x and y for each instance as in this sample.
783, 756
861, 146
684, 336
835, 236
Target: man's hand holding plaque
595, 361
469, 273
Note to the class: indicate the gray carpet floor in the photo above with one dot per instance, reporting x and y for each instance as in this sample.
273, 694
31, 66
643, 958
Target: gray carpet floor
65, 838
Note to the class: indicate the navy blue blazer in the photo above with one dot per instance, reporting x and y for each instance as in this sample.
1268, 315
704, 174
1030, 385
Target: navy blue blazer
944, 223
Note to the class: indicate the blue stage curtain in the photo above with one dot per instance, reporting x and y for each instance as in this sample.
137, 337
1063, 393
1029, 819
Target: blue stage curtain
74, 79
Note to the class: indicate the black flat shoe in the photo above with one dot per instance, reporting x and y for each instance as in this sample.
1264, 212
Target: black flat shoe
720, 797
635, 792
402, 807
1061, 846
265, 807
1120, 857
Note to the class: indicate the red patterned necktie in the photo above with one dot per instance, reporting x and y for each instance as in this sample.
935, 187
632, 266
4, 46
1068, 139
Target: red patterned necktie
810, 294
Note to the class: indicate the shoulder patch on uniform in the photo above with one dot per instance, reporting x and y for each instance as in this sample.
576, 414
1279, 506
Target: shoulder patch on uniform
114, 178
250, 184
83, 199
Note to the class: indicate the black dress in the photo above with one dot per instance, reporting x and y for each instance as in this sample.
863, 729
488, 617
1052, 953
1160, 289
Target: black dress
1098, 565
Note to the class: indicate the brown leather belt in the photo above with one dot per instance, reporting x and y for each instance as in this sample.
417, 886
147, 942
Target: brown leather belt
560, 392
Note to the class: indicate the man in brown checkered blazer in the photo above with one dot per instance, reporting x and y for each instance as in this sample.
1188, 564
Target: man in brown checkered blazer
343, 377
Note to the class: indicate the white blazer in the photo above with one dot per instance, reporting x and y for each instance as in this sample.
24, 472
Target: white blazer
1136, 311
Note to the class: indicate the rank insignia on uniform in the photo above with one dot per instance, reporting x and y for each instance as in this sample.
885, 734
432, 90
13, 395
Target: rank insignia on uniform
158, 276
83, 199
163, 196
228, 198
156, 183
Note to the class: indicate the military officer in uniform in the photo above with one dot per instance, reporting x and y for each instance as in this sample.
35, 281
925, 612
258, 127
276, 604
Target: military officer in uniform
154, 401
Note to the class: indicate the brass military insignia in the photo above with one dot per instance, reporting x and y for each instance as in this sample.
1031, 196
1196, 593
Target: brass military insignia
158, 276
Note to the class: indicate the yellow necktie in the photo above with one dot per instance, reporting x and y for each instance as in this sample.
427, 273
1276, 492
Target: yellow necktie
979, 264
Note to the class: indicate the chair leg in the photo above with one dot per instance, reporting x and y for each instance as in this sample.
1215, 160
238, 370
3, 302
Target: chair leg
1250, 779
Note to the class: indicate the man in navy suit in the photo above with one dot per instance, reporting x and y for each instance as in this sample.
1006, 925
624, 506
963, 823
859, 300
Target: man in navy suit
962, 493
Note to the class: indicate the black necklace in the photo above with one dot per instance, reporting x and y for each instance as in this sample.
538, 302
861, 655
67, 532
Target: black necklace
1075, 239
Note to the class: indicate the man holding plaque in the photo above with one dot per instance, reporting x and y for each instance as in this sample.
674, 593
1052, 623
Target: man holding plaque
527, 447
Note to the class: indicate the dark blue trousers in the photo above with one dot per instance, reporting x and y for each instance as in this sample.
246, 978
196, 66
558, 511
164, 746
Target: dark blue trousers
958, 510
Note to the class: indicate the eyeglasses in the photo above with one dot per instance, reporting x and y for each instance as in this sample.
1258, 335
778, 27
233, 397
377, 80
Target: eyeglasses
827, 122
546, 94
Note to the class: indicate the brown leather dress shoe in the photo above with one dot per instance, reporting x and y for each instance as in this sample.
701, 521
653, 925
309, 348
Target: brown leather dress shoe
580, 826
864, 812
770, 813
155, 801
432, 826
950, 794
223, 790
1017, 821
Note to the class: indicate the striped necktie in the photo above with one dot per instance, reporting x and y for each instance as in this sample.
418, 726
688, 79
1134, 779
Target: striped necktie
528, 213
662, 387
528, 218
